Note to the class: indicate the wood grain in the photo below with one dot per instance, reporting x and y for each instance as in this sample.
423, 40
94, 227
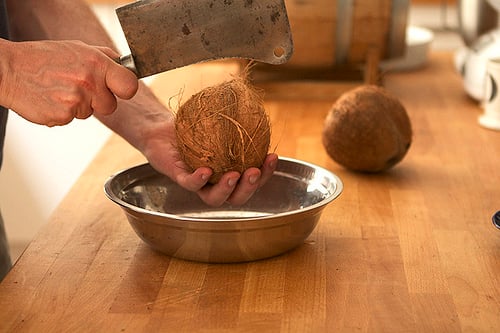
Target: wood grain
329, 33
409, 250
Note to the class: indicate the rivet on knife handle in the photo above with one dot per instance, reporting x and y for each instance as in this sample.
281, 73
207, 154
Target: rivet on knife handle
128, 62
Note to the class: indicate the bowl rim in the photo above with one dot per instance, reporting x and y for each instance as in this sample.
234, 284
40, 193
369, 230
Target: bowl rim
339, 186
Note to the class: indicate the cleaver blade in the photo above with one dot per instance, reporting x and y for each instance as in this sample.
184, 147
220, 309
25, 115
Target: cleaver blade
167, 34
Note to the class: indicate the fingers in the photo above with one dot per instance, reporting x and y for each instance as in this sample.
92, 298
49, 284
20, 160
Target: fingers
104, 102
117, 81
95, 89
248, 184
109, 52
236, 189
78, 80
268, 168
121, 81
194, 181
252, 179
215, 195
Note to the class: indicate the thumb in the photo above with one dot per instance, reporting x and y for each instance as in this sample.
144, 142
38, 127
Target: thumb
121, 81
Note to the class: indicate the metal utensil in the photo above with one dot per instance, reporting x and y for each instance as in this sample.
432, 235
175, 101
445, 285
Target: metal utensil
166, 34
174, 221
496, 219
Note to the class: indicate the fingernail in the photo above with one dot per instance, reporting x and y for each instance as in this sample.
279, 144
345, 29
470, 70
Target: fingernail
273, 164
253, 179
231, 182
204, 177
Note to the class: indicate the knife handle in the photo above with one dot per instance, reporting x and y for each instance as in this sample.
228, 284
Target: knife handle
128, 62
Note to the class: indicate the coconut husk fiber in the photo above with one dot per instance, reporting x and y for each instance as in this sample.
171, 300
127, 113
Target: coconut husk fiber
224, 127
367, 130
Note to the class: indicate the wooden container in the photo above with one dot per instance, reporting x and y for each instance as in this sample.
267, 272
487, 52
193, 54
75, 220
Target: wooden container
338, 45
329, 33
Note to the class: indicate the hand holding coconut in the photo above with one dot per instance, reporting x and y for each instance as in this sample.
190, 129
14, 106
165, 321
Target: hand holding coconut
233, 187
145, 123
226, 128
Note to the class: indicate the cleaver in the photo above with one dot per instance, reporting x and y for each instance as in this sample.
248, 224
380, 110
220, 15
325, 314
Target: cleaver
167, 34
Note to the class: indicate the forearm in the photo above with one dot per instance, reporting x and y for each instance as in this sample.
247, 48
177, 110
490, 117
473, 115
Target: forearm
74, 20
138, 119
56, 20
143, 121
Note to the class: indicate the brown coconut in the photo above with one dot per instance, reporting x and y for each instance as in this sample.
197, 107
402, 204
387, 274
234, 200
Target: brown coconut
367, 130
224, 127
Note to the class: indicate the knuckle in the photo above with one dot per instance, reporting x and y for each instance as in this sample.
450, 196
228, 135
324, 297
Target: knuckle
72, 100
85, 81
58, 119
69, 107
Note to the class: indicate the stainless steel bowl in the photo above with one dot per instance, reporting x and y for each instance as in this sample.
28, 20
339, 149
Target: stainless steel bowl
174, 221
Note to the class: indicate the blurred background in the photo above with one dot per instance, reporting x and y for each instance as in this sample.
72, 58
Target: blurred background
41, 164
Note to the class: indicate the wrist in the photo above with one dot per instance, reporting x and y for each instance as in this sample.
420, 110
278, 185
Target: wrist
141, 120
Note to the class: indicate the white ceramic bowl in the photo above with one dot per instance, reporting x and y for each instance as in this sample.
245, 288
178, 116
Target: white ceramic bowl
418, 41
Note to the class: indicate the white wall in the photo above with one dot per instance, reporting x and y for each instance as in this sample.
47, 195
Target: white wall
41, 164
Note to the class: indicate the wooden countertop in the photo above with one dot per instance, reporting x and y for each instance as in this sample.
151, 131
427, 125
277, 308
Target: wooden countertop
410, 250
